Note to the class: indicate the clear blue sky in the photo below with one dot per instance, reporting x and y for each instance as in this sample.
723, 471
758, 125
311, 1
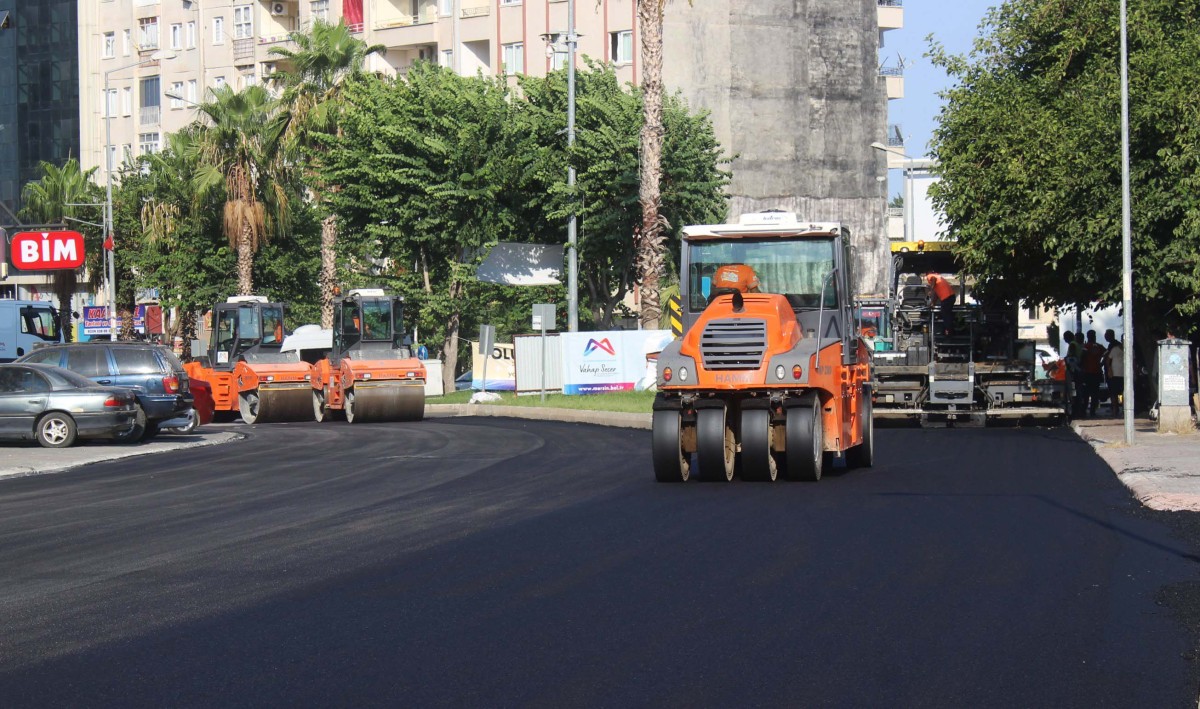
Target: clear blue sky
955, 25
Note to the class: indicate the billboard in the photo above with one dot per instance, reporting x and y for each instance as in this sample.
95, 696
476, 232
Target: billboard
601, 362
95, 320
501, 368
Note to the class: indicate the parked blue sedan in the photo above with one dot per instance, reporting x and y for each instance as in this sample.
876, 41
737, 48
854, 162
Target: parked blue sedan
55, 406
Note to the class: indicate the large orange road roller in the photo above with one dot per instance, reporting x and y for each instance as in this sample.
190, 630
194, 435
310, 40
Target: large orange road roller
770, 376
370, 374
245, 368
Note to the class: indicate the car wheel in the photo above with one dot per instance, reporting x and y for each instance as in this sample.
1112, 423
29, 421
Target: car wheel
134, 434
56, 430
193, 422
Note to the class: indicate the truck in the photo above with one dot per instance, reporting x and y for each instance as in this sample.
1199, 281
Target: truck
370, 373
245, 368
25, 324
770, 377
970, 370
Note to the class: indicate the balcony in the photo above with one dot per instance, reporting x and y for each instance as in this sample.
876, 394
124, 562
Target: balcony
243, 48
894, 80
890, 14
474, 8
395, 29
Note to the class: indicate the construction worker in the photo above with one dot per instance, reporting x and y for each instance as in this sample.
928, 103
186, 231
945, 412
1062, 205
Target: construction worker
941, 295
737, 276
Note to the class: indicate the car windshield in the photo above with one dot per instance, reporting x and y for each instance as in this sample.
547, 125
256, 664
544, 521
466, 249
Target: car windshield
66, 379
795, 268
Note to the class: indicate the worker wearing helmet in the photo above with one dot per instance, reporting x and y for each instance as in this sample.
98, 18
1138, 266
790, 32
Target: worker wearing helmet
737, 276
941, 294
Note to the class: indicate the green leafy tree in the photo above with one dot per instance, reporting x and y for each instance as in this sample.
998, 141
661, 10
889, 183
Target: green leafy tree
607, 198
424, 163
312, 77
60, 193
240, 154
1028, 152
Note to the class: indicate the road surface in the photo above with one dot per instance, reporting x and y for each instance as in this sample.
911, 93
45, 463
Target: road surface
498, 562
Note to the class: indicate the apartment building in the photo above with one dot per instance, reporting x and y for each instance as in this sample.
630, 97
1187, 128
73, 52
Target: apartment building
795, 87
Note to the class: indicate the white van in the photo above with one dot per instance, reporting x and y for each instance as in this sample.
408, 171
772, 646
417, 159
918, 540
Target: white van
25, 323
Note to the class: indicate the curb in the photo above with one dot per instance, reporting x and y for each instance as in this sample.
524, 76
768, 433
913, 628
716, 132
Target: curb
99, 454
536, 413
1156, 484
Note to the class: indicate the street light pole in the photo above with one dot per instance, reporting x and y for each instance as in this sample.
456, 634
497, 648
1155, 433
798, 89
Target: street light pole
1126, 239
572, 241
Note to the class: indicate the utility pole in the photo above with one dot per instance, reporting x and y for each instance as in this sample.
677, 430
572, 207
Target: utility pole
572, 241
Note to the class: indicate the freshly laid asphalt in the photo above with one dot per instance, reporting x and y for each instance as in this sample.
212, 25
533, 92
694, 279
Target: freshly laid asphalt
502, 562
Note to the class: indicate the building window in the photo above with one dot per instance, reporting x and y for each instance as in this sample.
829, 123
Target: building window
148, 33
176, 90
127, 101
558, 60
621, 47
177, 36
445, 8
150, 107
514, 58
109, 48
243, 27
446, 58
249, 80
218, 30
510, 2
191, 90
126, 42
218, 82
190, 35
320, 10
109, 103
127, 152
147, 143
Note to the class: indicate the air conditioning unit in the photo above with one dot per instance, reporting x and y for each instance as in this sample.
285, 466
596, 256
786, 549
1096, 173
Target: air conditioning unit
279, 8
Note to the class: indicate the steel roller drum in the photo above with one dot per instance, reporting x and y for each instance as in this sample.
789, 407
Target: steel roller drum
385, 401
275, 404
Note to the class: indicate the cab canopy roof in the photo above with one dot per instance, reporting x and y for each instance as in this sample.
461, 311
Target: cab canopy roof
247, 299
759, 224
367, 293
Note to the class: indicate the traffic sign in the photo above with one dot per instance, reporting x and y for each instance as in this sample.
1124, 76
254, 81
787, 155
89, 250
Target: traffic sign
47, 250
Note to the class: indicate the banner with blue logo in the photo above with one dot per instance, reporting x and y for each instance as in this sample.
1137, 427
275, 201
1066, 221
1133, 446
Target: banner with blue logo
602, 362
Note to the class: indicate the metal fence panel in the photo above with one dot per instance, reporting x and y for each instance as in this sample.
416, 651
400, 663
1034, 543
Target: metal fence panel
529, 363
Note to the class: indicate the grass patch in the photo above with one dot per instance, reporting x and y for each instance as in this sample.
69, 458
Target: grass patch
627, 401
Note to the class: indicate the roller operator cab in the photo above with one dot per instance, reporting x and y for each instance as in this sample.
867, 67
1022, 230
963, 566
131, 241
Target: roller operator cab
371, 373
246, 370
770, 375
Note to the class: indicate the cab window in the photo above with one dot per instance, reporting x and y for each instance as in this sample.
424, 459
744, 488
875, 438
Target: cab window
39, 322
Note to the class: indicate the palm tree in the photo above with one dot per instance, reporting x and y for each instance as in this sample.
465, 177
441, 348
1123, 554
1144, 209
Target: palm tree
239, 147
61, 193
313, 79
651, 244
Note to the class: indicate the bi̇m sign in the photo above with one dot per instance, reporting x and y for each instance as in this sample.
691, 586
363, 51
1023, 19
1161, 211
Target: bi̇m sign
47, 250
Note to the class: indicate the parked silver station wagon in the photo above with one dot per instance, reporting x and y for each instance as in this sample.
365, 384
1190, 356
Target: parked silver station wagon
55, 406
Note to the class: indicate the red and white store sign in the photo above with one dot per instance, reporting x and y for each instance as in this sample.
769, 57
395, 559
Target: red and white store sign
46, 250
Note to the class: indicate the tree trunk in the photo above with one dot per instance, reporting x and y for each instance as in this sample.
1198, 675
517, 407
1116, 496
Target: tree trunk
64, 289
245, 261
450, 342
650, 245
328, 278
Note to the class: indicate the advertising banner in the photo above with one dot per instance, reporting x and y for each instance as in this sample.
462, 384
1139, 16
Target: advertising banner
602, 362
95, 320
501, 368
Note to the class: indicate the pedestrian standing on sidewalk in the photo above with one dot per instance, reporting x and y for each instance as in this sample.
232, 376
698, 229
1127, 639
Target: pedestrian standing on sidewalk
1114, 371
1074, 382
1091, 364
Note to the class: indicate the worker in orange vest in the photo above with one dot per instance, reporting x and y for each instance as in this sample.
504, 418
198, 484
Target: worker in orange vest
737, 276
941, 293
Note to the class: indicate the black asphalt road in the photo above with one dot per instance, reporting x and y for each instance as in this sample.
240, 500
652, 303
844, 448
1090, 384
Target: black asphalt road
491, 562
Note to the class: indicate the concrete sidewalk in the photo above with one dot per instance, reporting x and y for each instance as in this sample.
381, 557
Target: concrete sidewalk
1161, 469
21, 459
